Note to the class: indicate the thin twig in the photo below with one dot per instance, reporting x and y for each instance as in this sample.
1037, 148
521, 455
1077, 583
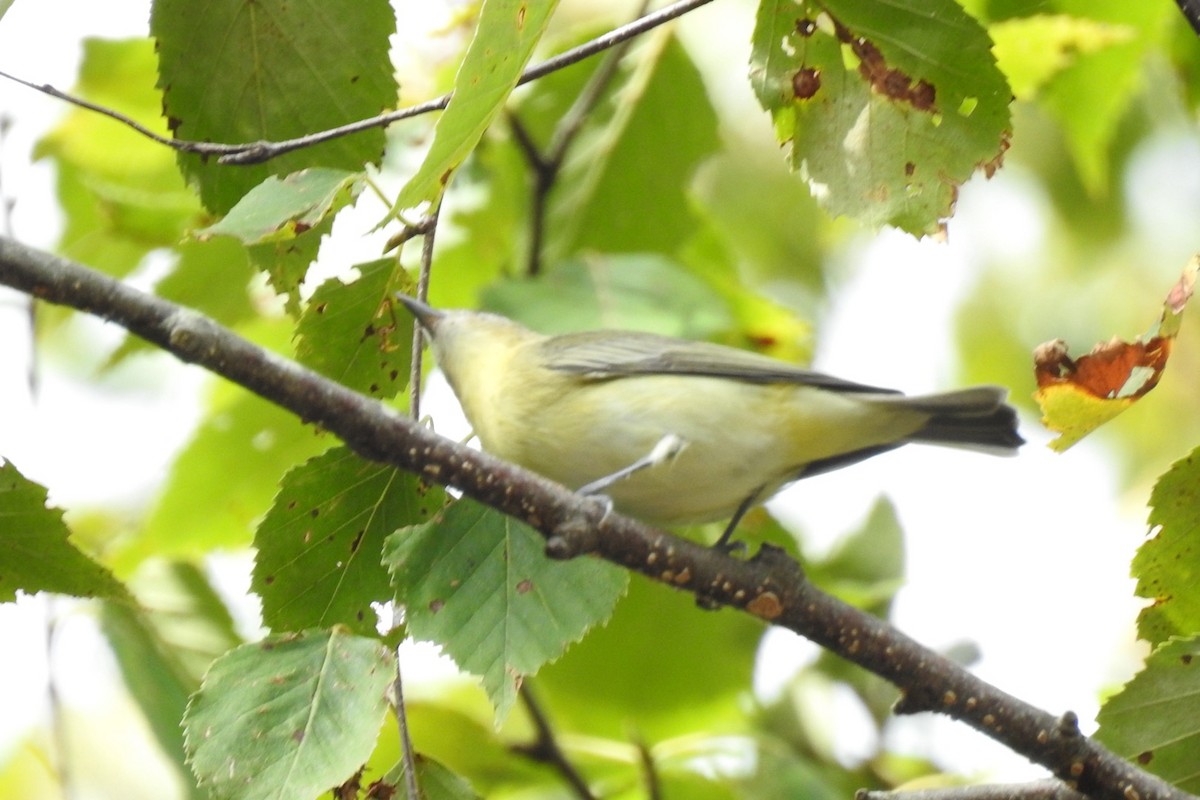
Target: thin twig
649, 770
125, 120
261, 151
58, 719
547, 166
428, 227
407, 754
571, 123
7, 205
543, 174
544, 749
770, 585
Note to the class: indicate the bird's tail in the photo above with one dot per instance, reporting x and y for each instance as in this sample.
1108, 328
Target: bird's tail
974, 418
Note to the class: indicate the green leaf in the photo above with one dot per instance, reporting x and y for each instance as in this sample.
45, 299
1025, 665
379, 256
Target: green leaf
478, 583
1166, 567
122, 193
319, 547
280, 208
507, 32
213, 278
353, 334
288, 717
637, 147
186, 616
283, 220
1155, 719
756, 321
467, 741
159, 691
888, 108
224, 480
233, 71
686, 782
164, 646
436, 781
36, 554
286, 263
627, 675
766, 219
491, 228
642, 292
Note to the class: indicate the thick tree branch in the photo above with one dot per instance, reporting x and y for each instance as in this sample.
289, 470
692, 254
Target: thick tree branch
1035, 790
261, 151
1191, 12
770, 585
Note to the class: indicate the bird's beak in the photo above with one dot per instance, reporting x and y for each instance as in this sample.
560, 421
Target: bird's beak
426, 315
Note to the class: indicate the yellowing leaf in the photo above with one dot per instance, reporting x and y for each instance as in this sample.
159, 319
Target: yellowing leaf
1079, 395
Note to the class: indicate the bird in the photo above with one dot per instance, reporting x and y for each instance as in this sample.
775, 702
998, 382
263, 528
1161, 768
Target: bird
672, 431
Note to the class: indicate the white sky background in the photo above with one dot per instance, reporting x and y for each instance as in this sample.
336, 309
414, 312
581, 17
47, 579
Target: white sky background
995, 555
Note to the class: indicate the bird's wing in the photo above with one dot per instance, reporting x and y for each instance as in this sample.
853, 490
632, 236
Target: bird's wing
603, 355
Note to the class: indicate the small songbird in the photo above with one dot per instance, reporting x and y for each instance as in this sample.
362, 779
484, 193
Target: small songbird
675, 431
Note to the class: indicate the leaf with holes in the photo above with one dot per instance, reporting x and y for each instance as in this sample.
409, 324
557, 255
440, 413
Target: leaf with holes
1078, 395
888, 108
478, 583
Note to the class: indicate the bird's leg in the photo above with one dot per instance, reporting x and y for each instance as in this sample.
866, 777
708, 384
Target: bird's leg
723, 544
668, 448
